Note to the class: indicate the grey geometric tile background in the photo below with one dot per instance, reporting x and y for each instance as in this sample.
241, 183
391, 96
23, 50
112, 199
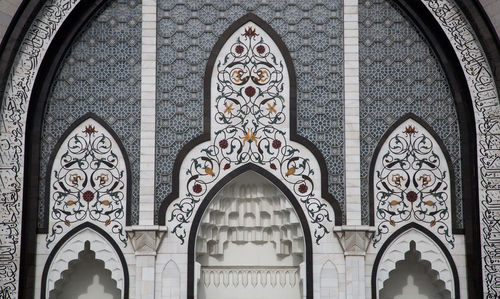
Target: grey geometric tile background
399, 73
313, 33
101, 73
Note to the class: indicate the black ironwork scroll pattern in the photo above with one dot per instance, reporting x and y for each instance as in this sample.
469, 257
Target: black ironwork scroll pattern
485, 101
89, 185
412, 184
250, 107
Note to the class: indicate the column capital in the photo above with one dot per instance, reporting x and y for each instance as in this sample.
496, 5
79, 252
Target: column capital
146, 239
354, 239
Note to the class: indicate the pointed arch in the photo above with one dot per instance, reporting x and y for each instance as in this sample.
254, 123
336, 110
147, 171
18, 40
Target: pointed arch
171, 281
213, 192
89, 164
434, 252
411, 180
68, 247
208, 126
329, 281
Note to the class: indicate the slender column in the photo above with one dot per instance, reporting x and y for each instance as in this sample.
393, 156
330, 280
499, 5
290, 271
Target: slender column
148, 113
355, 241
351, 89
145, 240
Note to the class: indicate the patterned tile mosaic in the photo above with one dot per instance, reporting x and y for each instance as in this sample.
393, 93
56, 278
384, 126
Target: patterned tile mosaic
187, 33
399, 73
100, 74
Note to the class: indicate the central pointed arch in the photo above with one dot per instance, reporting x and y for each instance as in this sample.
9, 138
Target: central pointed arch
213, 192
248, 69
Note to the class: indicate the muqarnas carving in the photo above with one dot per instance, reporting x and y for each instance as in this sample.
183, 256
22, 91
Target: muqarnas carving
411, 183
88, 182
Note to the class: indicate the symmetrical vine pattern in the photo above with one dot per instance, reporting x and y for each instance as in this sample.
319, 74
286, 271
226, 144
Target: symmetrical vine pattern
88, 182
411, 183
187, 32
250, 106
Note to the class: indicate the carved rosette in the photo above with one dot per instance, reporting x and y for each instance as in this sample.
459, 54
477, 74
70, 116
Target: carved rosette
411, 183
250, 100
88, 182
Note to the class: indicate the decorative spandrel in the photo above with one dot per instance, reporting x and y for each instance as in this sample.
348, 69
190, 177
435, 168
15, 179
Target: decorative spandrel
250, 94
88, 182
411, 183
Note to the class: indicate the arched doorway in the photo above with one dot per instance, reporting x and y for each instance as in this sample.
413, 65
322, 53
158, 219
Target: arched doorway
250, 243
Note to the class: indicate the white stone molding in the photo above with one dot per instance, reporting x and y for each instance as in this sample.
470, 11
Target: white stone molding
68, 252
329, 281
148, 114
351, 113
429, 250
88, 183
411, 183
250, 124
354, 239
171, 281
146, 239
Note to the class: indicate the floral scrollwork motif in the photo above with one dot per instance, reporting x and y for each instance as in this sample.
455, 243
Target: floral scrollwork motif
250, 106
89, 184
412, 184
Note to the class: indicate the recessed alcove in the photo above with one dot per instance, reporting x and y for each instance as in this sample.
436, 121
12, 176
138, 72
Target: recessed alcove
414, 277
250, 243
85, 278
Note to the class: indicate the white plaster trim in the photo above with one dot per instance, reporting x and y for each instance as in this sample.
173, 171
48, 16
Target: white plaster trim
148, 114
104, 251
351, 113
429, 250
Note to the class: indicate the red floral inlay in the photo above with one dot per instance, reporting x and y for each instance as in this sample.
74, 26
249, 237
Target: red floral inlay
411, 196
90, 130
303, 188
261, 49
88, 196
250, 91
276, 144
223, 143
410, 130
273, 166
227, 166
197, 188
239, 49
250, 32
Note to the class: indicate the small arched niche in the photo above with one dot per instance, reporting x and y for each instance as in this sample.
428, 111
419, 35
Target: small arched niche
86, 278
414, 277
250, 243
